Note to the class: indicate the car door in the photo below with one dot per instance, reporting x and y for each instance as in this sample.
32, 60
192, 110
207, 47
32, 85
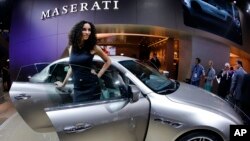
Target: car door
34, 90
112, 117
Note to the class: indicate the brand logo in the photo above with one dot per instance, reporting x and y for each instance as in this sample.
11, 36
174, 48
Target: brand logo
239, 132
80, 7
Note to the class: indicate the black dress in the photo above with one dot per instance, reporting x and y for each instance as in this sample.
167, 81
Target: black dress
86, 84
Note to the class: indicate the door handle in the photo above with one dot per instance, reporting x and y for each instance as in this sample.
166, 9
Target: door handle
80, 127
22, 97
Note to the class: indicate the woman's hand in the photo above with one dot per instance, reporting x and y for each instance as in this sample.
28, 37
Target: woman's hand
93, 72
59, 84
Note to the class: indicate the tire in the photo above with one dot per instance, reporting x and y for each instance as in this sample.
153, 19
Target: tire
197, 136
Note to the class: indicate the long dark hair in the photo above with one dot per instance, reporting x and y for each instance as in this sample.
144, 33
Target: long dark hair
75, 37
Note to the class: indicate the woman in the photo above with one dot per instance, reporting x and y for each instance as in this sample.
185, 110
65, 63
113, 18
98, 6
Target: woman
83, 47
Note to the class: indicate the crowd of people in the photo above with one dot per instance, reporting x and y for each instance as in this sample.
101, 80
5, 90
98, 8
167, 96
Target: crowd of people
230, 82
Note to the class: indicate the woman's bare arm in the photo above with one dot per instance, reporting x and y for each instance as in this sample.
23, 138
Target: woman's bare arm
105, 58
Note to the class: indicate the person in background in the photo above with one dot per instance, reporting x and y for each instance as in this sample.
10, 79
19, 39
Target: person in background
231, 70
82, 41
197, 73
6, 78
225, 77
236, 84
155, 61
209, 78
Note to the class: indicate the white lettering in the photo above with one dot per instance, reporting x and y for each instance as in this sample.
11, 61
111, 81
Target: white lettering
55, 12
243, 131
73, 8
237, 132
116, 5
65, 9
96, 5
106, 7
84, 7
240, 132
45, 15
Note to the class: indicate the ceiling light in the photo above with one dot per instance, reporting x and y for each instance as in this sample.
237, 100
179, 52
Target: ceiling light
235, 1
233, 55
159, 42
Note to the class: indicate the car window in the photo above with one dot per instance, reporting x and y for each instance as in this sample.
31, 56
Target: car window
57, 72
112, 83
26, 72
211, 2
41, 66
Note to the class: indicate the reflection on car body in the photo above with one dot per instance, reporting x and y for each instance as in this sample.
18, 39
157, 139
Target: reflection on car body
137, 103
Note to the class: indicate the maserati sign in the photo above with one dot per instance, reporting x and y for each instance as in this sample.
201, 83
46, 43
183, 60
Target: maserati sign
80, 7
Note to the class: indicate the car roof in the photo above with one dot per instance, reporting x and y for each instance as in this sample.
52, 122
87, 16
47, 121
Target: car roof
113, 59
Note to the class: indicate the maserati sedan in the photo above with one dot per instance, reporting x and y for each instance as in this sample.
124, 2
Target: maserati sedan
136, 103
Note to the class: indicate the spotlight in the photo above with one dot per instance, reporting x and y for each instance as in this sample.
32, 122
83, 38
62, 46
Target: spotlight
248, 8
235, 1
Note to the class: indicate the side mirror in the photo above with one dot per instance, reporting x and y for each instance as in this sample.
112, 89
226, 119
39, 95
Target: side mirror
134, 93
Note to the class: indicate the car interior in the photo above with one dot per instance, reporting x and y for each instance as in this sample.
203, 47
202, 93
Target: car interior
111, 83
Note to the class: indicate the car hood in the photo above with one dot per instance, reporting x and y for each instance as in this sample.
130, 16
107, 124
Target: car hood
189, 94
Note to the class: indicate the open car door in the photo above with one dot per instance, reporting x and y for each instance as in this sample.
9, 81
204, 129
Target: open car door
114, 116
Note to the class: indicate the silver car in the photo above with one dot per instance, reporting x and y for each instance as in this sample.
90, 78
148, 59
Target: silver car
137, 103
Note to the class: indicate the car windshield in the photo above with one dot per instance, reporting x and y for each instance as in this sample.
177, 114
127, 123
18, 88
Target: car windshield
149, 76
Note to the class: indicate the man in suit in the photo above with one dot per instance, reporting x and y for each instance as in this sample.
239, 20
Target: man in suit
155, 61
236, 84
225, 77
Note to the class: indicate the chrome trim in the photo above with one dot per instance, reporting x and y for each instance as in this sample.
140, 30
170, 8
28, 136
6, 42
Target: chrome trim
169, 122
79, 127
90, 103
22, 97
